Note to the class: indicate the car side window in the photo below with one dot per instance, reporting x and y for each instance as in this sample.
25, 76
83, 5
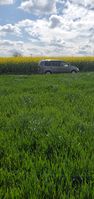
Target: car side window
58, 63
55, 63
47, 63
62, 64
52, 63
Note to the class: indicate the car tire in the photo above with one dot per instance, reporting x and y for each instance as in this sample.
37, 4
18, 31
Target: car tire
48, 72
73, 72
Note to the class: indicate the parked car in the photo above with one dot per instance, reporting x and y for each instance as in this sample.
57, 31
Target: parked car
56, 66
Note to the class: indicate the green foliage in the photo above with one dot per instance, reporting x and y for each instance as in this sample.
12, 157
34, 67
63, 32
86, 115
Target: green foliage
19, 68
47, 136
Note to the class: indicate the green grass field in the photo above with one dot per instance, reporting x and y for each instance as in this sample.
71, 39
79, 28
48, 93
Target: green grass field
47, 136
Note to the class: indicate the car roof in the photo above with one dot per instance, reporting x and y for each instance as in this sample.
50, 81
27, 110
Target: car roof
52, 60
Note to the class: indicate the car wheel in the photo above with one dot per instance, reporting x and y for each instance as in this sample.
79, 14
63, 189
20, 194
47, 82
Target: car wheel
73, 71
48, 72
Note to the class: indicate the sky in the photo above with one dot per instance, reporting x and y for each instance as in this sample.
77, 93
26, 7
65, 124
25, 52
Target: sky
47, 27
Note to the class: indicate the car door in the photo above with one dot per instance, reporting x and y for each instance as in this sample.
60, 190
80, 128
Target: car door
57, 67
54, 66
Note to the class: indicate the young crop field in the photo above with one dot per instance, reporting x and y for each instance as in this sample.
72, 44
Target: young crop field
47, 136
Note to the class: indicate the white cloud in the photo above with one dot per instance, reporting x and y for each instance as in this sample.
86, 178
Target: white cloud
8, 47
39, 6
11, 43
4, 2
55, 21
74, 11
44, 7
86, 3
10, 29
66, 38
69, 33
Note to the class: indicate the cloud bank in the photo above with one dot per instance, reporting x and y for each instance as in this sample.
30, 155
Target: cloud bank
59, 28
6, 2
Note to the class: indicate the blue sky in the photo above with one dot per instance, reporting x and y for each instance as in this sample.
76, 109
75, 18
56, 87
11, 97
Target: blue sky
47, 27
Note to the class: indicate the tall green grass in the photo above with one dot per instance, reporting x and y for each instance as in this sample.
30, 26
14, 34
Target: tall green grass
47, 136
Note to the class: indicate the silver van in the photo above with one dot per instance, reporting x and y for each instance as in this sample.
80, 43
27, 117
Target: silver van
56, 66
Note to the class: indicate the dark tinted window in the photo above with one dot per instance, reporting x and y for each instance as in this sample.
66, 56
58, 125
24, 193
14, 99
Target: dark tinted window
55, 63
44, 63
47, 63
52, 63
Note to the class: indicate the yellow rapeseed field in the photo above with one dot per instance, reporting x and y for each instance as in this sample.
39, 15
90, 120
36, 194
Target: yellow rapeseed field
37, 59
